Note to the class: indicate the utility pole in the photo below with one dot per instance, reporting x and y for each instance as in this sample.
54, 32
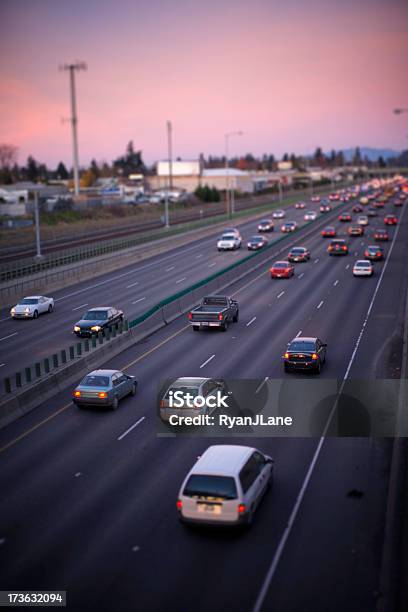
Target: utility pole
170, 183
74, 118
229, 196
37, 226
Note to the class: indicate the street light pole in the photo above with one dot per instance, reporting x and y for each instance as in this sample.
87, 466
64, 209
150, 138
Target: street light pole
37, 226
170, 185
229, 201
74, 118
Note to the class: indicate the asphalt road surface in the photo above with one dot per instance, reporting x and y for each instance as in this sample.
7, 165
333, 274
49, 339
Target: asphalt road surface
88, 497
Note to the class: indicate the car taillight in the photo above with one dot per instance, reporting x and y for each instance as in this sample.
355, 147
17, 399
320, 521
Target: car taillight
77, 394
314, 356
241, 509
190, 316
344, 248
379, 254
179, 504
220, 317
286, 355
102, 394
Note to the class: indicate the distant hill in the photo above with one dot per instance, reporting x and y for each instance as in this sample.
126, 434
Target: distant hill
372, 153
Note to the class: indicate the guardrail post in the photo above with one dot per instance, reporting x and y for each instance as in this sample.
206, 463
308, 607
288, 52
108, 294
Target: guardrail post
114, 330
100, 337
63, 356
79, 349
86, 346
18, 379
37, 367
28, 374
55, 361
93, 340
7, 385
72, 352
120, 327
126, 325
47, 365
107, 333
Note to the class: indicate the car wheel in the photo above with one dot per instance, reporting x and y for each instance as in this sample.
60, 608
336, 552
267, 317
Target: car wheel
50, 308
249, 519
35, 314
318, 368
286, 367
133, 389
224, 327
196, 328
115, 403
236, 317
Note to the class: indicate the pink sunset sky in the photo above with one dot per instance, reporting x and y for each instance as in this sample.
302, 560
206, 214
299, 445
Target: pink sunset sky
292, 75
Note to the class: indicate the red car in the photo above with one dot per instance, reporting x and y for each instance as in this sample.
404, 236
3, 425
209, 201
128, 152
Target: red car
357, 208
381, 235
282, 269
329, 232
344, 217
300, 205
378, 204
390, 220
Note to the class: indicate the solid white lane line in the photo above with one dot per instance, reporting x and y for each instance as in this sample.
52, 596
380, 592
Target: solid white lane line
81, 306
139, 300
180, 280
125, 433
298, 334
261, 385
336, 282
300, 275
211, 264
251, 321
208, 361
316, 260
132, 285
320, 305
198, 256
9, 336
276, 558
347, 267
5, 319
2, 364
280, 295
169, 269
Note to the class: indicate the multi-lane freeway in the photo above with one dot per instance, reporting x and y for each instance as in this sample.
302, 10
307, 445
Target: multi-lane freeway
89, 496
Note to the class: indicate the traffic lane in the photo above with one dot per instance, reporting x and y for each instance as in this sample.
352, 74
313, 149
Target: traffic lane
336, 561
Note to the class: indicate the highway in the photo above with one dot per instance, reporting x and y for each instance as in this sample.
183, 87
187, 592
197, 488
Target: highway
89, 496
133, 289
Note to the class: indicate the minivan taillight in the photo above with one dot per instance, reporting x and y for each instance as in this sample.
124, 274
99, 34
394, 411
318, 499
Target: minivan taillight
179, 504
220, 317
241, 509
190, 316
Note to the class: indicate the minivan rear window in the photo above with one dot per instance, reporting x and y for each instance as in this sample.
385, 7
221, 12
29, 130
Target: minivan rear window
199, 485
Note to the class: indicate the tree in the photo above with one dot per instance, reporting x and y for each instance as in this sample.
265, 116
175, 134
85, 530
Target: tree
62, 172
357, 160
95, 168
381, 163
8, 155
32, 169
130, 163
88, 178
318, 158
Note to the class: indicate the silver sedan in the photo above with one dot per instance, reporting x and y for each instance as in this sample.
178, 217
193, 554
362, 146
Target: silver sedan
104, 388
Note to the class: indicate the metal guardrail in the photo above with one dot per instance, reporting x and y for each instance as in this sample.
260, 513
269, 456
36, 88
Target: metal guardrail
28, 267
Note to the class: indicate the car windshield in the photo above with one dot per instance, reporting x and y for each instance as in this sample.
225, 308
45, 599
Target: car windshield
280, 264
29, 301
298, 250
329, 229
184, 390
256, 239
228, 237
95, 381
363, 264
96, 315
265, 222
302, 347
210, 486
338, 243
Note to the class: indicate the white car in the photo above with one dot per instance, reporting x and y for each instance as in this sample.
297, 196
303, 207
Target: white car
229, 242
278, 214
363, 267
225, 486
32, 306
315, 199
232, 230
362, 220
311, 215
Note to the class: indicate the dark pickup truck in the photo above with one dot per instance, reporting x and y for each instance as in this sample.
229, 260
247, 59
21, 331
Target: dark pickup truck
214, 311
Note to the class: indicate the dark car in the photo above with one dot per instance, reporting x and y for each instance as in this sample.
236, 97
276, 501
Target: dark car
372, 212
381, 235
256, 242
325, 207
329, 232
357, 208
337, 247
297, 254
390, 220
104, 388
265, 225
374, 253
97, 319
344, 217
305, 354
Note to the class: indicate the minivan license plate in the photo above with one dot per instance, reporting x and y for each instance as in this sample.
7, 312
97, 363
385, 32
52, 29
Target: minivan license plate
213, 508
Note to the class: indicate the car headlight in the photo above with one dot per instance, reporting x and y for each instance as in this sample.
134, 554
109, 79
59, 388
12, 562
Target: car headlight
77, 328
96, 328
12, 311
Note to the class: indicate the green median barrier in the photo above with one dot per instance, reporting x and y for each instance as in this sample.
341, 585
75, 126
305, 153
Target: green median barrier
47, 365
7, 384
100, 337
55, 362
86, 346
28, 374
72, 352
63, 356
93, 341
18, 380
37, 367
79, 349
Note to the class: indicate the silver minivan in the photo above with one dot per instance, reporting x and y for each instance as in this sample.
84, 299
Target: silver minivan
225, 486
204, 387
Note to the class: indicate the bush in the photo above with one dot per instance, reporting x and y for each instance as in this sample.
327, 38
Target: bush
207, 194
